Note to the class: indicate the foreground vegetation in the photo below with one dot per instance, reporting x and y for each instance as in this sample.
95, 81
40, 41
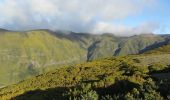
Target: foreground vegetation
128, 78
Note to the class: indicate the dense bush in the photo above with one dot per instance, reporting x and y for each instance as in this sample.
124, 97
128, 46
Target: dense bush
119, 78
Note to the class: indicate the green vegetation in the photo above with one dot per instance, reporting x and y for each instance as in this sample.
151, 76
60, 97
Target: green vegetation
113, 78
135, 44
30, 53
104, 46
25, 54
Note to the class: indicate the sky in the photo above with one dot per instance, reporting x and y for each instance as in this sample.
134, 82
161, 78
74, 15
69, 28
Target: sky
120, 17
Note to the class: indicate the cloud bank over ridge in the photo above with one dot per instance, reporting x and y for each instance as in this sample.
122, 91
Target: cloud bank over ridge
95, 16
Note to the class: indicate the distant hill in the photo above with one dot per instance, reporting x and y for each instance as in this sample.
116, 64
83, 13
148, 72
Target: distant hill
28, 53
136, 44
110, 45
3, 30
165, 48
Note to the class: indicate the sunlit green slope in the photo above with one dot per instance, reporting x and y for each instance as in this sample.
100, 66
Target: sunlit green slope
23, 54
109, 78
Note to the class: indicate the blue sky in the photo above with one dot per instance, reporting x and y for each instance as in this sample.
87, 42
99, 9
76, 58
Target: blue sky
121, 17
159, 14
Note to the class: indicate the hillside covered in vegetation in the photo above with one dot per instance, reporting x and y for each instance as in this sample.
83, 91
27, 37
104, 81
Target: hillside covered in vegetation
126, 77
25, 54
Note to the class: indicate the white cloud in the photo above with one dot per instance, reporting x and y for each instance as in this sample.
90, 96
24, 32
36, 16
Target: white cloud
123, 30
75, 15
103, 27
146, 28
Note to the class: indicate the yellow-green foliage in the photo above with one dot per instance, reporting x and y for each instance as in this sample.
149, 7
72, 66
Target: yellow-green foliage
99, 73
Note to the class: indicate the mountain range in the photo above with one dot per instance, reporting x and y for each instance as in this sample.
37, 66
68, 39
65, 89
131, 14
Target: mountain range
24, 54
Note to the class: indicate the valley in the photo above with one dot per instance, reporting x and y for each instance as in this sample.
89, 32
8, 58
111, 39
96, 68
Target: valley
29, 53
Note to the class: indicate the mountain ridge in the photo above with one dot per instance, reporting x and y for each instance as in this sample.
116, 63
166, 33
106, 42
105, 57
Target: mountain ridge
30, 53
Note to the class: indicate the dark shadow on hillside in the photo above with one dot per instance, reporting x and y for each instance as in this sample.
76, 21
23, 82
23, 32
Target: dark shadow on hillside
49, 94
154, 46
162, 80
120, 87
165, 70
72, 36
91, 50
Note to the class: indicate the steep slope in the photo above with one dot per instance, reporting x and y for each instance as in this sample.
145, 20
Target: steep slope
104, 76
23, 54
135, 44
164, 49
108, 45
104, 46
